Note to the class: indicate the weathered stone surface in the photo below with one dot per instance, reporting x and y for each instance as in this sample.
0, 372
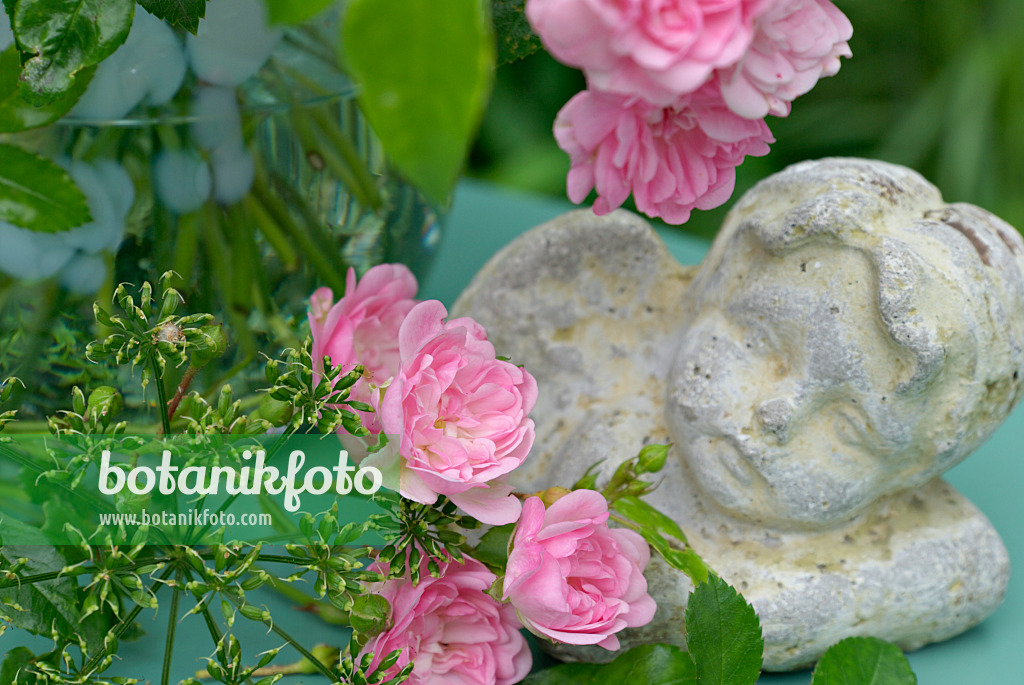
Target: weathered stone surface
848, 338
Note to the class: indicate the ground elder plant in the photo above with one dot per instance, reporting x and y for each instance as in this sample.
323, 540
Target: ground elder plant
88, 596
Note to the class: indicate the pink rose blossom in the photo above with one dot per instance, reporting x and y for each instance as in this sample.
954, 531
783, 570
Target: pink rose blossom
451, 629
796, 42
653, 49
672, 159
362, 328
459, 415
572, 578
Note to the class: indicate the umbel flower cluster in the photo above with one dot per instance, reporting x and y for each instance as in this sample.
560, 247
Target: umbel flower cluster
677, 91
455, 418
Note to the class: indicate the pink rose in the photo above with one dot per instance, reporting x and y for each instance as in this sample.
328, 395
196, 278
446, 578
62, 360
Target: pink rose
572, 578
653, 49
796, 42
451, 629
362, 328
672, 159
459, 415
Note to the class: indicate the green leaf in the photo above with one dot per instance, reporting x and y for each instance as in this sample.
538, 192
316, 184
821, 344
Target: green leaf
37, 194
16, 660
64, 37
685, 560
14, 532
641, 512
183, 13
294, 11
36, 607
493, 546
425, 74
863, 661
656, 527
657, 664
16, 113
723, 634
516, 38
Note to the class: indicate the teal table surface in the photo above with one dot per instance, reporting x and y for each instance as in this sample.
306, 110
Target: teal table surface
483, 220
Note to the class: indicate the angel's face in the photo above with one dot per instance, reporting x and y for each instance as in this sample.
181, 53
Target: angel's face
787, 393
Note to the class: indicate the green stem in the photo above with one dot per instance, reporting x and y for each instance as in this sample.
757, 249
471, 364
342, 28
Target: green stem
270, 230
172, 626
39, 578
42, 427
343, 145
274, 558
315, 44
93, 663
185, 246
231, 498
228, 272
261, 292
167, 137
243, 242
246, 258
319, 234
327, 612
278, 559
342, 159
53, 575
292, 641
105, 294
211, 624
161, 392
307, 82
281, 517
190, 537
325, 264
312, 124
118, 631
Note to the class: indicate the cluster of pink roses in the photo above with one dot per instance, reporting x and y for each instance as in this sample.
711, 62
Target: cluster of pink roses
678, 90
455, 414
570, 578
458, 415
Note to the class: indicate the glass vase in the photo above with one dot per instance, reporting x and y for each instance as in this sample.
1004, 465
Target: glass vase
253, 196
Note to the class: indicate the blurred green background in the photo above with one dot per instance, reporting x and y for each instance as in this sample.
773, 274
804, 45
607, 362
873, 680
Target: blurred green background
936, 85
